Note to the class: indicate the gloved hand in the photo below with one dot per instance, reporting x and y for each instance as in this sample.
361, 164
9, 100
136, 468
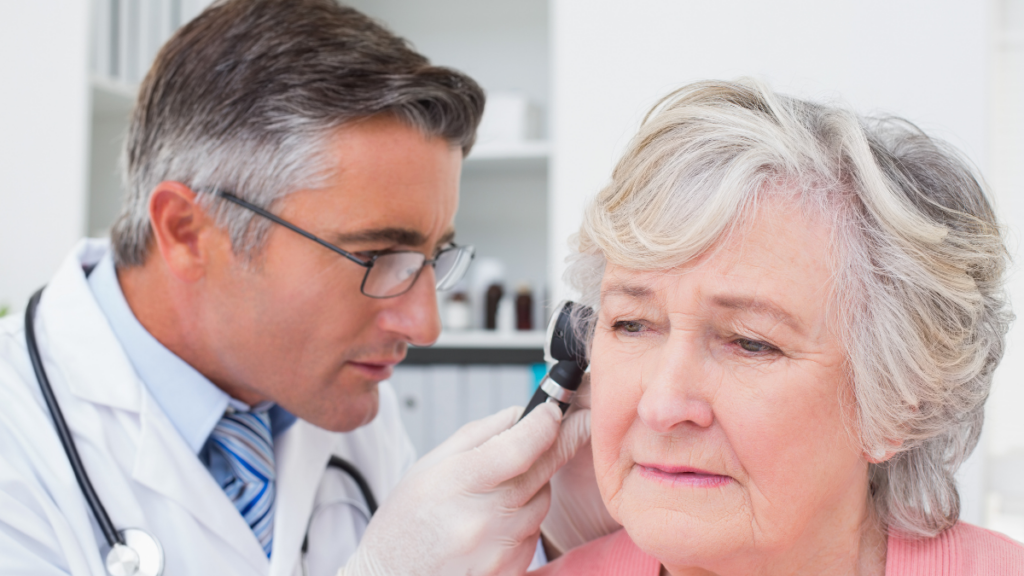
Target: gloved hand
577, 513
474, 504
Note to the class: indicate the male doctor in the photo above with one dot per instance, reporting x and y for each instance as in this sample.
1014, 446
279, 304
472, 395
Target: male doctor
292, 173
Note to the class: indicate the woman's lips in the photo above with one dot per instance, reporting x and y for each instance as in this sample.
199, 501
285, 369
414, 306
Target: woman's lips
682, 476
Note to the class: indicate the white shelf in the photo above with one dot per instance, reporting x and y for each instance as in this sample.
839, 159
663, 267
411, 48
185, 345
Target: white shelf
528, 149
530, 156
490, 339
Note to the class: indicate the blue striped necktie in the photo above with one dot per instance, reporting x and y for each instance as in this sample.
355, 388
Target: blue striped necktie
244, 439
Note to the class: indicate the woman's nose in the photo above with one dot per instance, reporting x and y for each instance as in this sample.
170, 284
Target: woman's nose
675, 390
414, 315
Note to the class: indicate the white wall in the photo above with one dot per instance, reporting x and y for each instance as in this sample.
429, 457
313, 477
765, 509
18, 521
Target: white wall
44, 135
1005, 426
927, 60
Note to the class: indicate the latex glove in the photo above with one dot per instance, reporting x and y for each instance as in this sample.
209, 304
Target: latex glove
475, 503
578, 514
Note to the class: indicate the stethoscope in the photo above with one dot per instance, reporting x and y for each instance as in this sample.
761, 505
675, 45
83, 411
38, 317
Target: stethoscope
133, 551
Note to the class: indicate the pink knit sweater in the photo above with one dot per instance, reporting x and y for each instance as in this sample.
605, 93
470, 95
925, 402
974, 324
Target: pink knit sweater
963, 550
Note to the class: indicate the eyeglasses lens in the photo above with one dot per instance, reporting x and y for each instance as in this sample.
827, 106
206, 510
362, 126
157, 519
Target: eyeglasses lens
451, 266
393, 273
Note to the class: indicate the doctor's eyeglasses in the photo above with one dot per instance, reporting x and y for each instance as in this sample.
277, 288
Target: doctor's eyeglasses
388, 274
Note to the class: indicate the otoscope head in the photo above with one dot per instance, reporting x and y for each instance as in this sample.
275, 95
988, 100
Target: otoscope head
568, 374
562, 341
565, 348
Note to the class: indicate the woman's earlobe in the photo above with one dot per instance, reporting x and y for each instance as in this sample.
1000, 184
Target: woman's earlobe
881, 454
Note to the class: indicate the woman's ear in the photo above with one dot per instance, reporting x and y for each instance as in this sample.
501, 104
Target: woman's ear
883, 453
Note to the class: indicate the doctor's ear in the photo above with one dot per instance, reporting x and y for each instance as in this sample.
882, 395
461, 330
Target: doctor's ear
182, 230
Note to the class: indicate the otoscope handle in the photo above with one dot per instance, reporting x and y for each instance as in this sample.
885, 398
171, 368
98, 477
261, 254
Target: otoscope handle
540, 397
558, 386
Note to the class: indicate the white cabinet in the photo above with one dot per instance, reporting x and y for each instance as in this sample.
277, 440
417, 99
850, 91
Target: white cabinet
436, 400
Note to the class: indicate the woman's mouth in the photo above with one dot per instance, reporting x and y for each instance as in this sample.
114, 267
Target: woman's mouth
682, 476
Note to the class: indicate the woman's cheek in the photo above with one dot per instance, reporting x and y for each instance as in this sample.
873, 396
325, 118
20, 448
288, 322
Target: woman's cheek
613, 411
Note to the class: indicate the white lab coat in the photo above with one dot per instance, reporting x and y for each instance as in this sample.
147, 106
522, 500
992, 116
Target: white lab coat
142, 469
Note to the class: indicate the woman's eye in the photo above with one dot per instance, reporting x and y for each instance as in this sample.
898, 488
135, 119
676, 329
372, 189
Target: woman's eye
753, 345
628, 326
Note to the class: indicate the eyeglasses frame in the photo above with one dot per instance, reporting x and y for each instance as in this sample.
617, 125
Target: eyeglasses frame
365, 264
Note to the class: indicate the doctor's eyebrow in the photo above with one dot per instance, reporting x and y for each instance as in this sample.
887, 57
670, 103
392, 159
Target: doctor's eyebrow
446, 238
399, 236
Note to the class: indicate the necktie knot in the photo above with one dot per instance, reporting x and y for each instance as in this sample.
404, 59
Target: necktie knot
245, 440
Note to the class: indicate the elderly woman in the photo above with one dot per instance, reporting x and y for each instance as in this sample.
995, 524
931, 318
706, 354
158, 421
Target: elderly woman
799, 312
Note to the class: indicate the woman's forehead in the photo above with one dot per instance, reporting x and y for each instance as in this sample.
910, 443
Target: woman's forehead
775, 265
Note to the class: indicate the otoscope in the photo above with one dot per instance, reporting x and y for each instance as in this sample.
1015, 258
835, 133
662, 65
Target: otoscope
562, 347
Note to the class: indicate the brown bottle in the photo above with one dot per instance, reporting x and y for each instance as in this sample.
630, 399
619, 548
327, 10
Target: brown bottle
494, 294
524, 308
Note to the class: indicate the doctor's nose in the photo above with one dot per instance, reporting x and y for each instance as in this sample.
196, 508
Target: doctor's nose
414, 315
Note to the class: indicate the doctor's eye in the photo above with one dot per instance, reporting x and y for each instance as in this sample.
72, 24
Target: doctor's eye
628, 326
367, 255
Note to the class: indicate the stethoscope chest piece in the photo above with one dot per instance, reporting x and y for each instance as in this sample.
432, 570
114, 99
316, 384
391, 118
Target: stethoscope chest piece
140, 555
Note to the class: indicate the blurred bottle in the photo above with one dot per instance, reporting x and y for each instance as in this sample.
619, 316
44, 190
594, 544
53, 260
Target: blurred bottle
524, 307
494, 294
506, 315
486, 271
457, 313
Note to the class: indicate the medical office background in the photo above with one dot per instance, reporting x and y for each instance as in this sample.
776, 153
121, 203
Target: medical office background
569, 82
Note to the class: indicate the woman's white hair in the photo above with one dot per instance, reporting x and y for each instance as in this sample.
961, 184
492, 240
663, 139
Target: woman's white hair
918, 260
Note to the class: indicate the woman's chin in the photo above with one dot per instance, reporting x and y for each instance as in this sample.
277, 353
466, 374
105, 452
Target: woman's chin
707, 514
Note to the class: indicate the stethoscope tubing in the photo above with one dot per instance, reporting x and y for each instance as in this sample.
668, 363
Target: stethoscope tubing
106, 526
357, 477
110, 533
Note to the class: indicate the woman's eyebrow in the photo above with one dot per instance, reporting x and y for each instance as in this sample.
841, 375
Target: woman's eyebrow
633, 291
757, 306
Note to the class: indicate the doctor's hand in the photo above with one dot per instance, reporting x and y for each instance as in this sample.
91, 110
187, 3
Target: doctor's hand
475, 503
578, 514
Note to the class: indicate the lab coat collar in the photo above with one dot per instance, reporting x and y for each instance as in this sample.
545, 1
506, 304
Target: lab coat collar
76, 339
71, 330
164, 463
301, 453
192, 403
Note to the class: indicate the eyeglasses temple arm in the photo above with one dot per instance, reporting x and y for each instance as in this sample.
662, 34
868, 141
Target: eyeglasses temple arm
236, 200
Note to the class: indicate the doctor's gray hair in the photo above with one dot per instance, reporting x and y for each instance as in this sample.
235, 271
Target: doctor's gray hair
245, 98
917, 257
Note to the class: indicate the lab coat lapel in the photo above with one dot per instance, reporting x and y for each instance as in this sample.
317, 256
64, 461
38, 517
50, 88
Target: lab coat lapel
69, 316
301, 455
165, 464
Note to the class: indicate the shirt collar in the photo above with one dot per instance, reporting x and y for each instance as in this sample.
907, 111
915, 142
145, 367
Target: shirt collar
192, 403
